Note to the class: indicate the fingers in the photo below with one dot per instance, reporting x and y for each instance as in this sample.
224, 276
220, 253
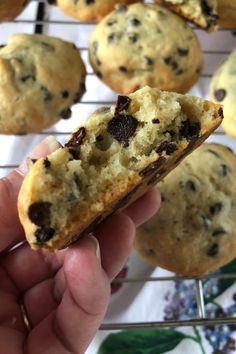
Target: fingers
11, 230
73, 325
145, 207
116, 237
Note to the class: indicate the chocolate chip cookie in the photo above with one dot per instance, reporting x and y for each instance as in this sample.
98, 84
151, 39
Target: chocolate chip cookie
201, 12
223, 90
40, 78
194, 231
10, 9
144, 44
110, 161
227, 13
90, 10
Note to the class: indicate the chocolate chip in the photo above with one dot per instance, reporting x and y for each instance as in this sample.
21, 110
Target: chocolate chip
190, 185
39, 213
179, 71
47, 163
213, 250
44, 234
47, 94
225, 169
147, 171
220, 94
135, 22
66, 113
75, 154
111, 22
77, 138
65, 94
122, 104
189, 129
155, 121
213, 153
34, 160
124, 201
111, 38
216, 208
183, 52
99, 74
99, 138
133, 37
121, 8
123, 69
122, 127
89, 2
27, 77
220, 112
218, 232
166, 146
148, 60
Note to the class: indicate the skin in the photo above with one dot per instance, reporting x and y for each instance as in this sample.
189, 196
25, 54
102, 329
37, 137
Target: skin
65, 294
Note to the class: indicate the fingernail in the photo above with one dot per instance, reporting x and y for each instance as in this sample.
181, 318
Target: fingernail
45, 147
96, 244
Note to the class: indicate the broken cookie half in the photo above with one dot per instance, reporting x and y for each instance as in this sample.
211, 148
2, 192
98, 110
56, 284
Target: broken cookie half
109, 162
201, 12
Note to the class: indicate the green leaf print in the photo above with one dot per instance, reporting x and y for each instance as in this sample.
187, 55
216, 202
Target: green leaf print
145, 341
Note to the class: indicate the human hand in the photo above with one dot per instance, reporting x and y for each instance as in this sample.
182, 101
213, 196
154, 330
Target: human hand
64, 294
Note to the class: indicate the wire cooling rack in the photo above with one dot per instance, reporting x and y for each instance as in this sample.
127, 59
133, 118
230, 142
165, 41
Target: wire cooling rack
39, 17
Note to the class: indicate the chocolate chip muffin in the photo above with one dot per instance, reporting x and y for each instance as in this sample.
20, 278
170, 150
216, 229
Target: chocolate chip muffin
223, 90
110, 161
89, 10
201, 12
144, 44
10, 9
194, 231
40, 78
227, 13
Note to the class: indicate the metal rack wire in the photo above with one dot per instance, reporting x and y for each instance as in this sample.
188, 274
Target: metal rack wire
39, 23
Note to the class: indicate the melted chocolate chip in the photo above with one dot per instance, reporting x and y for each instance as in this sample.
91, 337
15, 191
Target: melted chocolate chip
213, 250
166, 146
219, 232
220, 94
44, 234
77, 138
189, 129
124, 201
39, 213
75, 154
122, 104
122, 127
46, 163
216, 208
183, 52
149, 170
99, 138
155, 121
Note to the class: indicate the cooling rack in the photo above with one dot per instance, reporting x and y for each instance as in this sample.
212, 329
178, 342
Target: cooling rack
39, 17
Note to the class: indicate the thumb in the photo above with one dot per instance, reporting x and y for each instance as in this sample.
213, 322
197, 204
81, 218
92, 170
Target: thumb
11, 230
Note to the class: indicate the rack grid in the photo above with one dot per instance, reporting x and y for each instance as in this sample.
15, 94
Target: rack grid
40, 23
